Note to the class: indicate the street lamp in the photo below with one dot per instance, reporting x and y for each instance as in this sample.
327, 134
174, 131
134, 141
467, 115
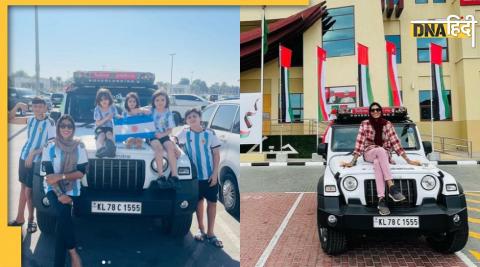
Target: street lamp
171, 72
37, 59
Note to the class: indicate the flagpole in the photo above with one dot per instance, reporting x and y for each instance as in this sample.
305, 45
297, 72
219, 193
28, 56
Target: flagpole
280, 90
261, 75
318, 104
431, 117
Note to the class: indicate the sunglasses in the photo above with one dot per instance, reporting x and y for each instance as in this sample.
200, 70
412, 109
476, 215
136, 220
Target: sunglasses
66, 125
375, 110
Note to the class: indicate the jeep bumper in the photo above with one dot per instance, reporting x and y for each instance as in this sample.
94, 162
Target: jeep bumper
433, 217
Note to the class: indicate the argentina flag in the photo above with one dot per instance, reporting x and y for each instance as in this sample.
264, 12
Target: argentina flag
141, 126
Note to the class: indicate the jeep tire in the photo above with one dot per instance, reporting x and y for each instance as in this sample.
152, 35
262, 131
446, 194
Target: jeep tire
229, 191
177, 226
46, 222
449, 242
333, 242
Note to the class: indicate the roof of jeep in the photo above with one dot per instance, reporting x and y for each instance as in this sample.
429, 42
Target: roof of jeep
356, 115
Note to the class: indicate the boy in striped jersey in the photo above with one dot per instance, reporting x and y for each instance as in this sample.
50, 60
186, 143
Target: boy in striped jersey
40, 128
202, 146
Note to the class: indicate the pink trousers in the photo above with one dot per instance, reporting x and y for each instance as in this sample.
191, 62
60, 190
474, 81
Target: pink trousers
379, 157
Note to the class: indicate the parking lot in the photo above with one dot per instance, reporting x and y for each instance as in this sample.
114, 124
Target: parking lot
279, 226
123, 241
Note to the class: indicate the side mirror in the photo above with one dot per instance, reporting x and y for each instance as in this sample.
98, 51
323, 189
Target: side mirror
322, 149
55, 115
427, 146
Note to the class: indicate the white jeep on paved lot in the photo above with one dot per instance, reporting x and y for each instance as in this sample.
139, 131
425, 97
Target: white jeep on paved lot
347, 198
126, 184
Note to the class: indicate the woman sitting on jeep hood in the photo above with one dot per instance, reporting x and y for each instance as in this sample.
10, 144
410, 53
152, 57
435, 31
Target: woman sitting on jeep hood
377, 148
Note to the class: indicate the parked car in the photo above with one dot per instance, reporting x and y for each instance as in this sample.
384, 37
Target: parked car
180, 103
223, 118
125, 185
347, 198
57, 98
25, 95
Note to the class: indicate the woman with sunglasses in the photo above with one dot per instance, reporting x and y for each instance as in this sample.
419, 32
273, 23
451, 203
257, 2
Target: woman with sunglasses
376, 140
64, 163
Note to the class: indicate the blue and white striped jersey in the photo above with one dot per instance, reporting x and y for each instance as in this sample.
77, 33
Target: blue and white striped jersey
53, 154
98, 114
38, 133
163, 120
199, 146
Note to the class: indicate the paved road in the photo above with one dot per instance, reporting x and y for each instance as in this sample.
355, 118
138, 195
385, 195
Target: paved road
123, 241
272, 208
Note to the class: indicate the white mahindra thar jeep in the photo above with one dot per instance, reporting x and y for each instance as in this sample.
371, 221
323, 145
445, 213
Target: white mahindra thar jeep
126, 184
347, 198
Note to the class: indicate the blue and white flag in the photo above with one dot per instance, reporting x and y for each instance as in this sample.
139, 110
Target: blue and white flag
141, 126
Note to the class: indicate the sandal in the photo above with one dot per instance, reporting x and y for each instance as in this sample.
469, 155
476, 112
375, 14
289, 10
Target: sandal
215, 241
200, 236
32, 227
15, 223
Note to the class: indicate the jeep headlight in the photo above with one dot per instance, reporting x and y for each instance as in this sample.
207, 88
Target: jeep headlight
350, 183
428, 182
153, 165
451, 187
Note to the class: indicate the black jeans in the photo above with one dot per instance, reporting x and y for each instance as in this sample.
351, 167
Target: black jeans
65, 234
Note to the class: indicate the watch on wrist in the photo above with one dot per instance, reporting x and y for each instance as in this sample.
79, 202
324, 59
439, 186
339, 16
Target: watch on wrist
64, 177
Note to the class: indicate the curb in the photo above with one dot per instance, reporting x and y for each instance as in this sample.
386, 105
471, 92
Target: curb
323, 163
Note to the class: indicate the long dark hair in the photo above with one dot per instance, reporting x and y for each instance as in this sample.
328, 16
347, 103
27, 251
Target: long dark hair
377, 124
134, 96
158, 93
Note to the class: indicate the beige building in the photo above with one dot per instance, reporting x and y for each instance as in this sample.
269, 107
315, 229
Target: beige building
365, 22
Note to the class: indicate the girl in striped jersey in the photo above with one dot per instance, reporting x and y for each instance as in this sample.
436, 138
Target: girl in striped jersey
132, 108
40, 128
202, 146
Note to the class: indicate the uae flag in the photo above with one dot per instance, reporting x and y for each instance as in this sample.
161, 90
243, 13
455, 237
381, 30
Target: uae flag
394, 96
364, 85
323, 109
441, 108
285, 63
264, 33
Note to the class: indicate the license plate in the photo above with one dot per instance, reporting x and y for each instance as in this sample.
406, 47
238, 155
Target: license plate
116, 207
396, 222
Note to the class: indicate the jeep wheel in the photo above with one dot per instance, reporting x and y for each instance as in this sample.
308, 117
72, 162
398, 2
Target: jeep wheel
332, 241
230, 194
449, 242
46, 222
177, 226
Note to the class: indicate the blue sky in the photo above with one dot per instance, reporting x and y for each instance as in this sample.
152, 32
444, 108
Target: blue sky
205, 40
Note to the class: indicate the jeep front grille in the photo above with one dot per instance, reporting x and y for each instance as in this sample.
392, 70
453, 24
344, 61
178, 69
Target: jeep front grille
116, 174
407, 187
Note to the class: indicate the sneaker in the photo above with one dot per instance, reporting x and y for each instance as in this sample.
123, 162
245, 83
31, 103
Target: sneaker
173, 181
162, 182
101, 152
382, 207
395, 194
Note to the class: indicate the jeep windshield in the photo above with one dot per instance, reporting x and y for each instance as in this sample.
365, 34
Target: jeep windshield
344, 137
80, 102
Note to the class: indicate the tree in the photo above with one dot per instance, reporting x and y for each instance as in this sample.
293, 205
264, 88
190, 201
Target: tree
184, 81
20, 73
199, 87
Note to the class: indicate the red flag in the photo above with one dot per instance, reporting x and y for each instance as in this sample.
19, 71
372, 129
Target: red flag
435, 54
323, 109
362, 54
285, 57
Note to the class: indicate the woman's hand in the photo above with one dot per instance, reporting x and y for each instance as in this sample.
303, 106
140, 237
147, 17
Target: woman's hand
65, 199
53, 178
414, 162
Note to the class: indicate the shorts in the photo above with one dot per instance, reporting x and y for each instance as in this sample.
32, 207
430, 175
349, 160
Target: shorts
25, 175
161, 140
207, 192
100, 130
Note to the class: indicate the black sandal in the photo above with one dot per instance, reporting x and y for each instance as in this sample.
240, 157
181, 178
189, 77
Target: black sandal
32, 227
15, 223
215, 241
